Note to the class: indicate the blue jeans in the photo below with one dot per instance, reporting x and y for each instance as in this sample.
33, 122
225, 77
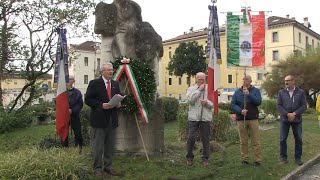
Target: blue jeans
297, 133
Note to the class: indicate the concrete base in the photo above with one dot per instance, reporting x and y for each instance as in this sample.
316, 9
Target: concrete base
128, 140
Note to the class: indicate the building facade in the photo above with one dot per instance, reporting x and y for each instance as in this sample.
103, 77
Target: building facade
284, 37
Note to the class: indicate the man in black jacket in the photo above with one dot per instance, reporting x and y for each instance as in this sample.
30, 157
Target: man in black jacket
103, 119
75, 106
291, 104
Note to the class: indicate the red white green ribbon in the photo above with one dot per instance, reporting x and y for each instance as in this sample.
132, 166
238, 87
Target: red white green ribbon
125, 67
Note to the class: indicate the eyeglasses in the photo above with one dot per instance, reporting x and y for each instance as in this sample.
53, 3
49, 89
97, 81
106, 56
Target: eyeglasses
288, 80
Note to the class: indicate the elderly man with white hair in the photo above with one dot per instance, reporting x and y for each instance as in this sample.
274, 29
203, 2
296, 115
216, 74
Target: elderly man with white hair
199, 117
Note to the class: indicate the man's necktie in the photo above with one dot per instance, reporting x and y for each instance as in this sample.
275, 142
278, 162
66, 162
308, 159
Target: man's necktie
109, 89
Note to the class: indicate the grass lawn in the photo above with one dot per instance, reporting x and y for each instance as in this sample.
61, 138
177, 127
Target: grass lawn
172, 164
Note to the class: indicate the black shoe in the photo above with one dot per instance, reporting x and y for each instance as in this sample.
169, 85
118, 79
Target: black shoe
245, 163
298, 162
257, 163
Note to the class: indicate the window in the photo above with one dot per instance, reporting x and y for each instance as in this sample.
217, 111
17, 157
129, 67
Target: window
313, 43
180, 80
275, 55
180, 97
170, 81
170, 95
259, 76
98, 63
275, 37
170, 55
86, 61
85, 79
15, 83
188, 80
299, 37
230, 78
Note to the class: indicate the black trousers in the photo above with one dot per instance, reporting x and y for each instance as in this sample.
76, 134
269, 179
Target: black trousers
76, 128
204, 127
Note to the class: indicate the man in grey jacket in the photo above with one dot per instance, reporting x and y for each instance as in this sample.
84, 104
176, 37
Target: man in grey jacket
199, 117
291, 104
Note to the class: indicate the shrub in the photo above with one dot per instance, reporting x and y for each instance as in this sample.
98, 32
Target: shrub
44, 164
182, 118
269, 107
222, 128
85, 124
170, 108
44, 109
10, 121
225, 106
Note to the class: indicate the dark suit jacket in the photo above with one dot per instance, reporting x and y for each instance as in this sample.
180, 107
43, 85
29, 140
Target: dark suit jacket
96, 95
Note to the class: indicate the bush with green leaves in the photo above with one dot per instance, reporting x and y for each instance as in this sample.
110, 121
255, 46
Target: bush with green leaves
170, 108
44, 109
226, 106
10, 121
182, 118
52, 163
85, 124
269, 107
222, 129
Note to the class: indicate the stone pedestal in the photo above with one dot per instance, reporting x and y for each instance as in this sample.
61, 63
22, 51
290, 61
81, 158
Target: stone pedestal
128, 140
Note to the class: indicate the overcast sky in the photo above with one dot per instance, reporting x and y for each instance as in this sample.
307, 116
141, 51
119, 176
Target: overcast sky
170, 18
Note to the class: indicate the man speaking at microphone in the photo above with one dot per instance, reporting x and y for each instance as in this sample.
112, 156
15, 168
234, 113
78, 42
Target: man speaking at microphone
199, 117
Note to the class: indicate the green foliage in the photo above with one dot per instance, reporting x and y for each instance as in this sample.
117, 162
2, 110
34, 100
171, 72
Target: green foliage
303, 68
188, 59
15, 119
44, 164
85, 124
222, 129
44, 109
146, 84
182, 118
310, 111
170, 108
269, 107
225, 106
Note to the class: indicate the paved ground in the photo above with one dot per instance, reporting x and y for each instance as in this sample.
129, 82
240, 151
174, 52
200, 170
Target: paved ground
313, 173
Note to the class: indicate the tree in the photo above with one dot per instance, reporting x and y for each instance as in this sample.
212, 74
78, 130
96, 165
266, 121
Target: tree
305, 69
8, 34
38, 22
188, 59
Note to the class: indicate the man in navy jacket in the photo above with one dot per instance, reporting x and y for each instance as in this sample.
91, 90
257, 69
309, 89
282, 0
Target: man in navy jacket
103, 118
75, 106
245, 102
291, 104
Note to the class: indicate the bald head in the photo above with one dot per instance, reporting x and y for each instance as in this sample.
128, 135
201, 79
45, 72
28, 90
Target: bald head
247, 81
201, 78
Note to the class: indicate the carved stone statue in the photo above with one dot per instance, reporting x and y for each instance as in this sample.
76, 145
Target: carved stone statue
131, 37
125, 34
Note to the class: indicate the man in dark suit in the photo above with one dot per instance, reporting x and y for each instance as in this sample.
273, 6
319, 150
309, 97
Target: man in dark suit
103, 119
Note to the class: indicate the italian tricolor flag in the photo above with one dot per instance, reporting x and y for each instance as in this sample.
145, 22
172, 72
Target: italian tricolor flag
245, 41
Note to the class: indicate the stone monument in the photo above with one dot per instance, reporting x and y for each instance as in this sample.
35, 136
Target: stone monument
125, 34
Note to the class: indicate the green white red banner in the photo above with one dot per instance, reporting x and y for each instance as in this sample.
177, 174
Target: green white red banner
125, 67
246, 39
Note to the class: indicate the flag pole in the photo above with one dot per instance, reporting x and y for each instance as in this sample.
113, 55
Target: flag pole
244, 97
144, 146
